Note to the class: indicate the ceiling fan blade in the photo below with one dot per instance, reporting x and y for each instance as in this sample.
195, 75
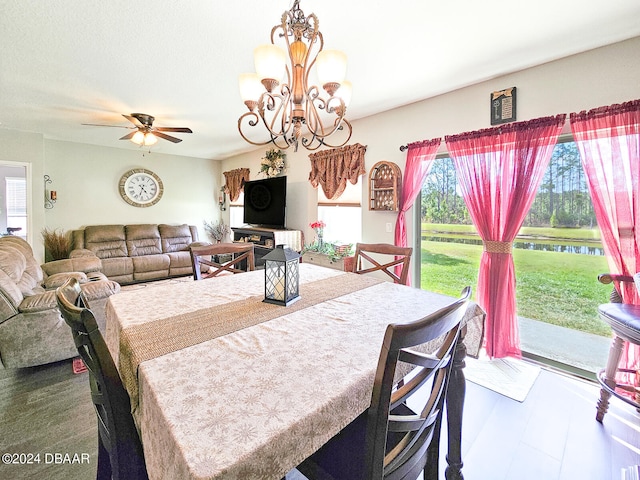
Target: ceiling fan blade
173, 129
166, 137
133, 120
101, 125
129, 136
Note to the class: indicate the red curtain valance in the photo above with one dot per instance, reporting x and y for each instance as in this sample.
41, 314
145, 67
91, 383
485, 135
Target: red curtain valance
482, 139
332, 168
234, 182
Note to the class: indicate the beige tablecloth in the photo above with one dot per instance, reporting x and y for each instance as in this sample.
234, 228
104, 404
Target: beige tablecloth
254, 403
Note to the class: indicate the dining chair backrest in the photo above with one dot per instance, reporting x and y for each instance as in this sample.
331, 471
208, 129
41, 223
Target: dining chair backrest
207, 262
398, 437
120, 454
372, 257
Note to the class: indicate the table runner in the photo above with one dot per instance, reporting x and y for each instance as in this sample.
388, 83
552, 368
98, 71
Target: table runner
153, 339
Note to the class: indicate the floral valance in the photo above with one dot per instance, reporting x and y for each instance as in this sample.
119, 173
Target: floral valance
234, 181
332, 168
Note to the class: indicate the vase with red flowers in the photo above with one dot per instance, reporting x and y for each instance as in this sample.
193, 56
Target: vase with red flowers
318, 227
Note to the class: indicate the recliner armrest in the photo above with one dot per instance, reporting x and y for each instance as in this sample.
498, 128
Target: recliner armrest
57, 279
84, 264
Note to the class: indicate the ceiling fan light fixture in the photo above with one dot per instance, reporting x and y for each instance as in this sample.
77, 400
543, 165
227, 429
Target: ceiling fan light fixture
149, 139
138, 138
144, 138
144, 133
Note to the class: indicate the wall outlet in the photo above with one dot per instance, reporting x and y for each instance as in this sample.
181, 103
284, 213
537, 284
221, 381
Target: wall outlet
388, 227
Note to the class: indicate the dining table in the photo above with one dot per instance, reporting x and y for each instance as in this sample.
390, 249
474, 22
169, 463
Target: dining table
226, 386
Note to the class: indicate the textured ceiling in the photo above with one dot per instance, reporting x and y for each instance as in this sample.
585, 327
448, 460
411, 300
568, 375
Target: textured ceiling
68, 62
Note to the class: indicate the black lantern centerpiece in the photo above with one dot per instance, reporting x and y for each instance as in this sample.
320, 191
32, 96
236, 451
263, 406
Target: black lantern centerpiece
281, 276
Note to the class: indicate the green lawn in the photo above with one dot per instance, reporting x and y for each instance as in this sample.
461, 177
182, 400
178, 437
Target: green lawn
557, 288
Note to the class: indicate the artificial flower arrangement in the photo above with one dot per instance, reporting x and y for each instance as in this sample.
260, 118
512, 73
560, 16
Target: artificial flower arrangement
216, 230
333, 250
318, 226
273, 163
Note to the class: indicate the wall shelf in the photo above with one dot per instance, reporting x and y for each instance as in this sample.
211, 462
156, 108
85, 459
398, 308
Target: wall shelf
385, 183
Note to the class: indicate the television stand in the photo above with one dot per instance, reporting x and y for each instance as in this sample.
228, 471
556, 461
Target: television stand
265, 239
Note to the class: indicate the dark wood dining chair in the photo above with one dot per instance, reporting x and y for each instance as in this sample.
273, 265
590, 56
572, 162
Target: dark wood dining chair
120, 454
393, 440
372, 257
203, 259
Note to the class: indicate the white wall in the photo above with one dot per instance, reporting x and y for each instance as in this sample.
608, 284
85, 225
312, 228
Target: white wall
599, 77
86, 179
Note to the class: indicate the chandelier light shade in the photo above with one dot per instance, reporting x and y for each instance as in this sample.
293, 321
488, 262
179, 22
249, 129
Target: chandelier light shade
279, 97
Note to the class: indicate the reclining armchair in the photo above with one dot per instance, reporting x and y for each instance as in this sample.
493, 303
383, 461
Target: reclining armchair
32, 331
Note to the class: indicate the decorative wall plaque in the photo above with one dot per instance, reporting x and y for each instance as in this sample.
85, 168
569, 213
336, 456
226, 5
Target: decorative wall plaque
503, 106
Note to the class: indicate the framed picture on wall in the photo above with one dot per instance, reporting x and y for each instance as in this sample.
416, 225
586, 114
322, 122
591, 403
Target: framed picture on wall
503, 106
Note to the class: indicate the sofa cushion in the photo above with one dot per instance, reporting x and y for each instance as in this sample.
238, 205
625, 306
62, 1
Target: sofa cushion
175, 238
115, 267
14, 264
9, 289
143, 240
180, 259
151, 263
32, 268
106, 241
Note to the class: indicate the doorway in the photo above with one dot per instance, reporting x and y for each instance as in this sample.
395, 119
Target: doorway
15, 204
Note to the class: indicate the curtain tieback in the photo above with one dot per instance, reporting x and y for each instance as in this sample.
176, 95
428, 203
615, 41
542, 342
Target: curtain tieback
497, 247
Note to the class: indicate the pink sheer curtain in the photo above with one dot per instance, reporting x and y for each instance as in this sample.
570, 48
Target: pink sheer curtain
420, 157
608, 139
499, 171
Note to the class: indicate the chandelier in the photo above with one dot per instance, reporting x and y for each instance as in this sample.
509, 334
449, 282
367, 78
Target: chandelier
279, 96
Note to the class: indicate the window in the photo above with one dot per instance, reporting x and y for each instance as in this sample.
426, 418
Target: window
343, 216
557, 255
17, 204
236, 212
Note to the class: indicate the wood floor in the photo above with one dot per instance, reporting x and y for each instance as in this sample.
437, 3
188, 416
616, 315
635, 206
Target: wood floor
552, 435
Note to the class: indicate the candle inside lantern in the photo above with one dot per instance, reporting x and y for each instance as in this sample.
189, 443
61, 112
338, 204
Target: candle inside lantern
278, 291
54, 195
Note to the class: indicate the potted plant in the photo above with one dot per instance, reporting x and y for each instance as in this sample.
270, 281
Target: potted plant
57, 244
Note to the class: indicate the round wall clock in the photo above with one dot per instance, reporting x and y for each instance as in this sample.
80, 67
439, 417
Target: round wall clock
140, 187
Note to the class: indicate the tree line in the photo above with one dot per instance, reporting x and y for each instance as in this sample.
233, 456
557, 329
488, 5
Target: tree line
562, 200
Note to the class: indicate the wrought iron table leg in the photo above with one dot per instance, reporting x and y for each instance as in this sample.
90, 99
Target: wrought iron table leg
455, 404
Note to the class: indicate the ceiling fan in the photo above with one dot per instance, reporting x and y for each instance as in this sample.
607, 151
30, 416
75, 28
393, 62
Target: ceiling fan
145, 133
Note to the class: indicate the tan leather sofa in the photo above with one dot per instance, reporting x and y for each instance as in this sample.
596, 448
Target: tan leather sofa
138, 253
32, 332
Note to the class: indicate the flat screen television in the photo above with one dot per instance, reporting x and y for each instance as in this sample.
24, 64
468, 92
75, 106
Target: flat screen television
265, 202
